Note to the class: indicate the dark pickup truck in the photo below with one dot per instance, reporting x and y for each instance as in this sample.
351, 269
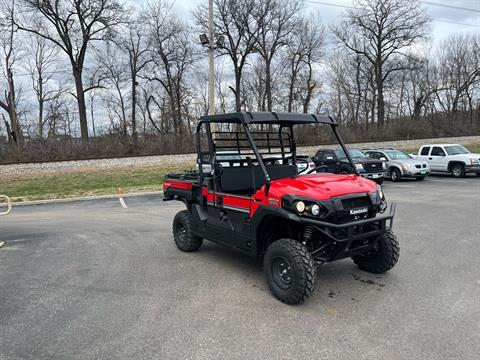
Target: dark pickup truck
335, 161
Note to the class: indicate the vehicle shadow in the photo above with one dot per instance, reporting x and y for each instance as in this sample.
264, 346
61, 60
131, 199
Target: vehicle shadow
339, 277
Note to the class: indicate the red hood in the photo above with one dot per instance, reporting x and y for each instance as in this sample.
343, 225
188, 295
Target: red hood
321, 186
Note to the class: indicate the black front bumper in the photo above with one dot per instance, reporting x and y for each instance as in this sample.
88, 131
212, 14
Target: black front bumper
354, 237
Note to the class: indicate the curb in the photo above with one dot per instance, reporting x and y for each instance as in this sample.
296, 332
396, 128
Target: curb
85, 198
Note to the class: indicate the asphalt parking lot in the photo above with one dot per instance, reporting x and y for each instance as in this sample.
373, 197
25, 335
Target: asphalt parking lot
93, 280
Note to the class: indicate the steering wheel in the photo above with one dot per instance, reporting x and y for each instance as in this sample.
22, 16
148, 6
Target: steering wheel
320, 167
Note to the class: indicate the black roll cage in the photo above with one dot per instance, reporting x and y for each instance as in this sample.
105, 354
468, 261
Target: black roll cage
264, 118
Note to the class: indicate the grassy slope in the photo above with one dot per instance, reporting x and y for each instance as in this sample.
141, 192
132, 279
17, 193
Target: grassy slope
84, 183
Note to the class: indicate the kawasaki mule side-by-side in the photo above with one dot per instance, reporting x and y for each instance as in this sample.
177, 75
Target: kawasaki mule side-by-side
255, 202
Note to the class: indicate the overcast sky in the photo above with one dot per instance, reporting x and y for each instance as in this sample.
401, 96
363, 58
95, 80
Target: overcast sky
448, 18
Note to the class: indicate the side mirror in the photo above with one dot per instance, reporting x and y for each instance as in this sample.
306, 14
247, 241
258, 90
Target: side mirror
383, 158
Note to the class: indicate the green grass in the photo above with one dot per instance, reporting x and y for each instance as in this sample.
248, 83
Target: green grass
85, 183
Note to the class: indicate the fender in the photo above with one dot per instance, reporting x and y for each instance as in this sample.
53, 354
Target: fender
265, 211
396, 167
453, 162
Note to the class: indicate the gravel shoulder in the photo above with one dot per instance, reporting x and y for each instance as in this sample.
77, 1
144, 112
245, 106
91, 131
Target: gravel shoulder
187, 160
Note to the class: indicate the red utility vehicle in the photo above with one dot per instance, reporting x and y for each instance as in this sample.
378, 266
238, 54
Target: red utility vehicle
255, 202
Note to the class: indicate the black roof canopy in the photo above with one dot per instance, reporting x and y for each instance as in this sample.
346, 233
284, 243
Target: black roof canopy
283, 118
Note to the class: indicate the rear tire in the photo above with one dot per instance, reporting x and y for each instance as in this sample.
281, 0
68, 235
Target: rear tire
420, 178
182, 233
395, 175
384, 258
458, 170
290, 271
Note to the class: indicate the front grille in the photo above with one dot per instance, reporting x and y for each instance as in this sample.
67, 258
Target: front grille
372, 166
354, 203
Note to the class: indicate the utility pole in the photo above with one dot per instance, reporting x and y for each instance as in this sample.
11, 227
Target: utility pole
211, 65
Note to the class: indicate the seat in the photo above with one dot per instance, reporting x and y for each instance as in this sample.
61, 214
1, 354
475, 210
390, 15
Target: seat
248, 179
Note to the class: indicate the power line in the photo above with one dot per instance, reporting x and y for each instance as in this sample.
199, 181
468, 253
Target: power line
426, 2
450, 6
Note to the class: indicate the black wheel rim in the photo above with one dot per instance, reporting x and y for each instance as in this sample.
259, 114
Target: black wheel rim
181, 231
281, 273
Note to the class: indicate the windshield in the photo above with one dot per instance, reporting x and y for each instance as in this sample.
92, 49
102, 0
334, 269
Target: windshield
456, 150
354, 153
397, 155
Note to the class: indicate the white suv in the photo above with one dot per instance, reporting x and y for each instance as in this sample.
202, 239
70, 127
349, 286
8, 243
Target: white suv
452, 158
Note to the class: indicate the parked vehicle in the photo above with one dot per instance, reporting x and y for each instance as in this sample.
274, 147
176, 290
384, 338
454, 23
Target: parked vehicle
336, 161
263, 209
449, 158
304, 164
399, 164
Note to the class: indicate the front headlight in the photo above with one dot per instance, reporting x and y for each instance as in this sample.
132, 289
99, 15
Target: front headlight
474, 161
300, 206
381, 196
359, 166
384, 165
380, 193
305, 207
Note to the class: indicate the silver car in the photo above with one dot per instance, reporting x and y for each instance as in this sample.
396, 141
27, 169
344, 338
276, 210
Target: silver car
399, 164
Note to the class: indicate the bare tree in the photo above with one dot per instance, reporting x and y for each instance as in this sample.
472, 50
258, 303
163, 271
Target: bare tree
135, 43
304, 50
10, 51
460, 68
114, 76
380, 31
43, 67
274, 22
72, 25
233, 19
172, 57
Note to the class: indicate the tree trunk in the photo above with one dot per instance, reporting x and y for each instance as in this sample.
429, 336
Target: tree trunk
82, 109
16, 130
291, 85
380, 105
92, 116
134, 107
40, 106
268, 85
238, 84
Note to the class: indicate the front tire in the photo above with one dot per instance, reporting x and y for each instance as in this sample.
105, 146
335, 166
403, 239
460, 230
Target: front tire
182, 233
420, 178
290, 271
395, 175
458, 170
379, 181
384, 258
